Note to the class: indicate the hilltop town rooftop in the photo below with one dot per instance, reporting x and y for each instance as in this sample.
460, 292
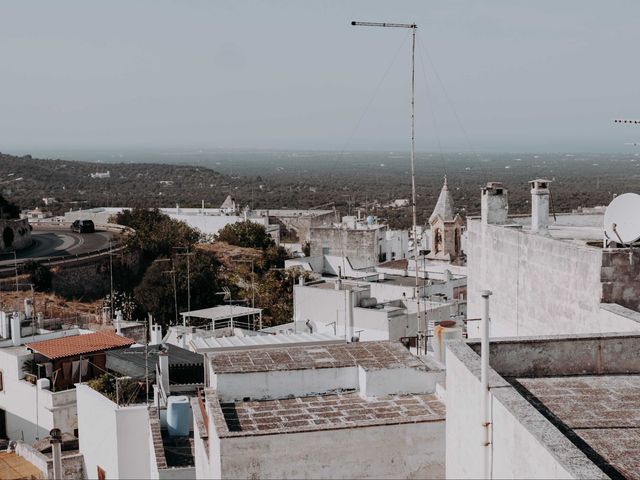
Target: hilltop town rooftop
368, 355
322, 412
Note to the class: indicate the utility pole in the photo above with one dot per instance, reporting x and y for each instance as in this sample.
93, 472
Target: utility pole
413, 27
171, 272
253, 288
187, 254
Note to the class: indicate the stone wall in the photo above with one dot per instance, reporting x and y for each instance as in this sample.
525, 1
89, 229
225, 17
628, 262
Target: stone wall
14, 234
359, 246
620, 276
90, 277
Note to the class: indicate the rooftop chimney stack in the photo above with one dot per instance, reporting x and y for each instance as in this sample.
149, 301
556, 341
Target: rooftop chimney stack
163, 367
494, 204
539, 205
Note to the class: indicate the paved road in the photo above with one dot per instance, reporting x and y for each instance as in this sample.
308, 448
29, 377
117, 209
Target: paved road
59, 243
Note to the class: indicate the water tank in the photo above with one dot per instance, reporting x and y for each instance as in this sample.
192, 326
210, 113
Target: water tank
178, 415
371, 220
368, 302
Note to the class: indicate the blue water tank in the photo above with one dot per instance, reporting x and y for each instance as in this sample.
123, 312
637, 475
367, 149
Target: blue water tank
371, 220
178, 415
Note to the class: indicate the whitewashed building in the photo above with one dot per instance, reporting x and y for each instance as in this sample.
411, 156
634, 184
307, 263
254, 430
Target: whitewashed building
37, 372
359, 410
549, 274
564, 406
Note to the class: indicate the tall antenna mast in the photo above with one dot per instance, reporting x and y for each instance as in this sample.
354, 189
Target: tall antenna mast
413, 28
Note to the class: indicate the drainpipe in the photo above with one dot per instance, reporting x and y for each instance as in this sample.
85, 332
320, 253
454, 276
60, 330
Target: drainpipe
484, 383
56, 450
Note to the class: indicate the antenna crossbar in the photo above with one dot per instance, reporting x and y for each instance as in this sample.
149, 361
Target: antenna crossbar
384, 24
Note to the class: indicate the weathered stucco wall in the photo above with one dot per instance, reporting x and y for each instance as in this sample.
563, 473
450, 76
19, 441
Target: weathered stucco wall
540, 286
113, 438
524, 444
413, 450
620, 276
360, 246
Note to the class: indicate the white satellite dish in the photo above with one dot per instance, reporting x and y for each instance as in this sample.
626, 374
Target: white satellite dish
622, 219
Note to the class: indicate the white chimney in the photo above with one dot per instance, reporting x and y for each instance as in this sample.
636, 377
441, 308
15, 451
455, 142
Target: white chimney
15, 329
539, 205
119, 320
163, 366
156, 335
494, 204
28, 308
4, 324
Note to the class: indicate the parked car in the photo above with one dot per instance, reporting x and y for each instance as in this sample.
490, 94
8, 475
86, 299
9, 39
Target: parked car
83, 226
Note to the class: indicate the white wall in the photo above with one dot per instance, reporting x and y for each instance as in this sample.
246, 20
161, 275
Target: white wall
524, 443
19, 399
114, 438
412, 450
375, 382
541, 286
282, 384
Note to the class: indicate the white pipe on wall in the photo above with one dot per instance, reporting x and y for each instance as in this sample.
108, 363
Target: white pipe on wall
484, 383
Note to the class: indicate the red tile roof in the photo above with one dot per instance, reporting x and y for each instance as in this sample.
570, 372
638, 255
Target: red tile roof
79, 344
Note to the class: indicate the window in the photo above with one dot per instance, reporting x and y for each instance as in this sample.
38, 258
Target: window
1, 382
102, 475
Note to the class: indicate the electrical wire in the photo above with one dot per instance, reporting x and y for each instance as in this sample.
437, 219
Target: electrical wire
369, 103
453, 108
433, 113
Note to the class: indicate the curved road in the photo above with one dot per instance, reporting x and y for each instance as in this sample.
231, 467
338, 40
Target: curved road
59, 243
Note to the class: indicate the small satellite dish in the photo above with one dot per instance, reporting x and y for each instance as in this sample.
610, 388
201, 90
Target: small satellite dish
621, 219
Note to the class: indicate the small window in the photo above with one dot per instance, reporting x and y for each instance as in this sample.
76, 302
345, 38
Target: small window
1, 382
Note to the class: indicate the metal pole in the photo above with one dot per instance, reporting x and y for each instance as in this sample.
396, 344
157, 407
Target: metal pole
146, 360
15, 266
175, 294
253, 292
188, 281
56, 451
413, 169
111, 279
413, 28
484, 382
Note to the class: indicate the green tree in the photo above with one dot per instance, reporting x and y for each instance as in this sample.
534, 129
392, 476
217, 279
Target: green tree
155, 292
245, 234
8, 210
156, 233
274, 293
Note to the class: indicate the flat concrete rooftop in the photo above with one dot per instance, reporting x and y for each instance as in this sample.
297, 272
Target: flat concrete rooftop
577, 227
325, 412
369, 355
599, 413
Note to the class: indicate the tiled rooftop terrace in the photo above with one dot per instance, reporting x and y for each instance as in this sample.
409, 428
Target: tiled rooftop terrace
369, 355
603, 411
324, 412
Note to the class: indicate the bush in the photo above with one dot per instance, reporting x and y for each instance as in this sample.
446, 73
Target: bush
245, 234
39, 275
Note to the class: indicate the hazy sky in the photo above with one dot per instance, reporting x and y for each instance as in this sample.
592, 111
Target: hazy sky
537, 75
